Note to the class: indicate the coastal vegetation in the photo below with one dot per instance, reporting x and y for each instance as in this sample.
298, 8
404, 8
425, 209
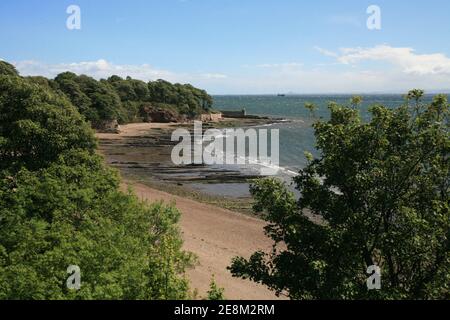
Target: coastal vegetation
125, 100
215, 293
377, 195
61, 205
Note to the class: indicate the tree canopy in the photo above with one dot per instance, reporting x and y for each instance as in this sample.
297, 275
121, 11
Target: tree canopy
377, 195
7, 69
120, 99
123, 99
60, 205
37, 125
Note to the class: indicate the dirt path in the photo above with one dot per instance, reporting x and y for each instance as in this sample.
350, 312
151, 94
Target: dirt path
216, 235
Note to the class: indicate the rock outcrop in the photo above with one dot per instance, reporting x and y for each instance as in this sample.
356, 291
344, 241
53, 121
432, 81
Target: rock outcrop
211, 117
159, 115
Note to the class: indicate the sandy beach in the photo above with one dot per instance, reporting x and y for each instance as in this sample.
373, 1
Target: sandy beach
135, 129
214, 234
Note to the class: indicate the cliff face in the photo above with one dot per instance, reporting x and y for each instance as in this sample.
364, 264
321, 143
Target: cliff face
162, 115
159, 115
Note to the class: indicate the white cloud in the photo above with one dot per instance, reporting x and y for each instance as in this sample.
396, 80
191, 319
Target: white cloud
104, 69
326, 80
97, 69
406, 59
213, 76
326, 52
282, 65
411, 70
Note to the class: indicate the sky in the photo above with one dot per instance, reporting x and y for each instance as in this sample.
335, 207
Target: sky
237, 46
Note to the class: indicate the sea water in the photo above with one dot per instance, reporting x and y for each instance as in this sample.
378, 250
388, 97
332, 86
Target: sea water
296, 135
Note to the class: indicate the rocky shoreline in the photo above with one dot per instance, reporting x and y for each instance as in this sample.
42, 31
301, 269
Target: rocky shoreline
141, 152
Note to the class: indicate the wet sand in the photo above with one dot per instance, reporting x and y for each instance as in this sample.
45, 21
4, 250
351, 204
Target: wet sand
142, 152
214, 234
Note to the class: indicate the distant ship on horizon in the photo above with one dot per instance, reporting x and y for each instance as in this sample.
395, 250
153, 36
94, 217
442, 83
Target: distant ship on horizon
281, 95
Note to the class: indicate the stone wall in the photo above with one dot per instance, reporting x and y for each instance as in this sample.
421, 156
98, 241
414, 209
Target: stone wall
234, 114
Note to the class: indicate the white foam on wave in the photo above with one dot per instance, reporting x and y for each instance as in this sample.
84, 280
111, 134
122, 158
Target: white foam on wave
251, 162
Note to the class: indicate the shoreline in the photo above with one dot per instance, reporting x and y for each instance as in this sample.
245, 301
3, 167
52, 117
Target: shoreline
214, 228
141, 152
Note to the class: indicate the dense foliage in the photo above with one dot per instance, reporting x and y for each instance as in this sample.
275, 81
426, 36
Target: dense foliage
121, 99
37, 125
60, 205
7, 69
124, 99
215, 293
378, 195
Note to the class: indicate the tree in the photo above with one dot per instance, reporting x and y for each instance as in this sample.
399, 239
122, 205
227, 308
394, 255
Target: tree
186, 98
96, 100
378, 195
7, 69
121, 99
37, 124
73, 213
60, 205
215, 293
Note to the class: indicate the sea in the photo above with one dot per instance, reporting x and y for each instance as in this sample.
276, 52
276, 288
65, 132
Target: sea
296, 134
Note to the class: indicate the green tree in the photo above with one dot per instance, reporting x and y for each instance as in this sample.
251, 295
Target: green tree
37, 124
60, 205
122, 99
96, 100
215, 292
67, 83
186, 98
7, 69
378, 195
73, 213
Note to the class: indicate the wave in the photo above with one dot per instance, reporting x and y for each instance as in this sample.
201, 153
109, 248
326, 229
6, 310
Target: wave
252, 164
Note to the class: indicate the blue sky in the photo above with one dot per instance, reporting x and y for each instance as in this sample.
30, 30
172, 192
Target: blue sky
231, 46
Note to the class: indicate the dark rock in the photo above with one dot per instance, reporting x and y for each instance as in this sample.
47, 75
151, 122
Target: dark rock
159, 115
